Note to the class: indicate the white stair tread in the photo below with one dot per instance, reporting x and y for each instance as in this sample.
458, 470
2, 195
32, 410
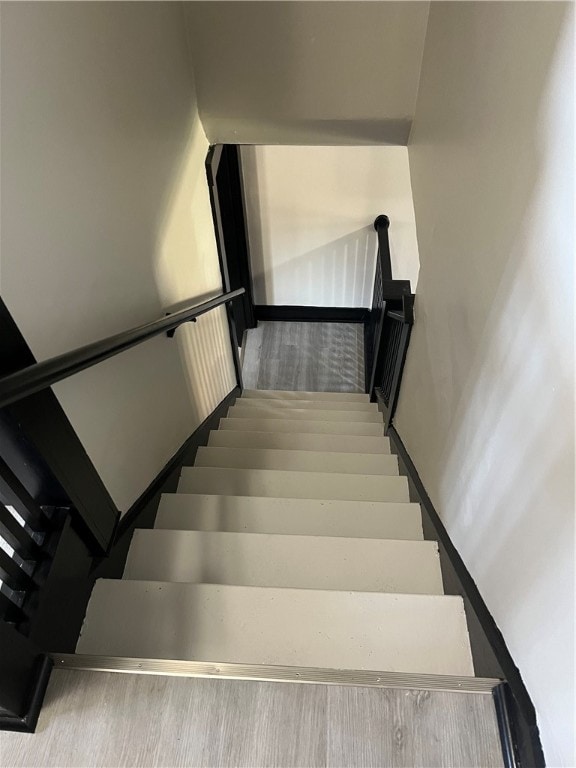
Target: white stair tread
297, 485
318, 405
305, 414
293, 627
315, 427
229, 438
311, 517
303, 461
279, 394
304, 562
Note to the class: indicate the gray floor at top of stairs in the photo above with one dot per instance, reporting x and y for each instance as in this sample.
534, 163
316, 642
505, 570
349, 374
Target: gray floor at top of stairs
320, 357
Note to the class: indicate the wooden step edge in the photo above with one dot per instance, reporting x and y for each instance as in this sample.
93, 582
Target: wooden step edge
269, 673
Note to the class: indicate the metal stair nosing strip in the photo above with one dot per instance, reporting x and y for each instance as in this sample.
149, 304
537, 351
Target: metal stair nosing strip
268, 673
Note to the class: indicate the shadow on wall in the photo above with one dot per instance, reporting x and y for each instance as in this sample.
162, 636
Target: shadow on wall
487, 406
308, 132
104, 202
485, 334
187, 271
337, 274
310, 212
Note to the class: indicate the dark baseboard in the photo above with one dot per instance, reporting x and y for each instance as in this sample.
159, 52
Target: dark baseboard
489, 651
167, 479
311, 314
28, 721
508, 739
75, 569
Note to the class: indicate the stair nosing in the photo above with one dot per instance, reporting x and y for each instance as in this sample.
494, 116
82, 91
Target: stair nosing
277, 673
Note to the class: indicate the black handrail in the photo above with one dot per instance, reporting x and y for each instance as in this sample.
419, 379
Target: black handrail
36, 377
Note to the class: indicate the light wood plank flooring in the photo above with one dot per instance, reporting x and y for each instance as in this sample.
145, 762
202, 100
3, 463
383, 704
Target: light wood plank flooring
105, 719
310, 357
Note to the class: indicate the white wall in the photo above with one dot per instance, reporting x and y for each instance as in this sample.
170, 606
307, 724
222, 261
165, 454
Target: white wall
310, 214
106, 222
487, 402
307, 72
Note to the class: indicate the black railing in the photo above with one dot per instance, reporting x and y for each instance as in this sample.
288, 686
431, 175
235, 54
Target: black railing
381, 225
388, 330
41, 375
30, 530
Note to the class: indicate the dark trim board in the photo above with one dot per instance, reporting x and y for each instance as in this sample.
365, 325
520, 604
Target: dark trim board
74, 569
25, 673
37, 435
508, 739
311, 314
142, 513
167, 479
224, 174
490, 654
29, 720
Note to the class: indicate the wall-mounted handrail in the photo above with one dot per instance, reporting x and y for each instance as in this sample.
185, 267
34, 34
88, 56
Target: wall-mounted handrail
36, 377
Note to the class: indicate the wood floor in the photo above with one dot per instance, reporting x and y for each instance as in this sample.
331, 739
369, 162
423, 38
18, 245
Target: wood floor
310, 357
104, 719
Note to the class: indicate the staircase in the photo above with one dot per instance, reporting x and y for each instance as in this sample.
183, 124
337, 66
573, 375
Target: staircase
290, 542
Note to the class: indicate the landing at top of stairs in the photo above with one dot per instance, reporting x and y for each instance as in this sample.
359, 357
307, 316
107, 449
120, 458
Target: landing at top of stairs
278, 394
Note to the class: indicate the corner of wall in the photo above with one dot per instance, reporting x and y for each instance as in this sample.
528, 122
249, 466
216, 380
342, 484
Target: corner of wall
429, 3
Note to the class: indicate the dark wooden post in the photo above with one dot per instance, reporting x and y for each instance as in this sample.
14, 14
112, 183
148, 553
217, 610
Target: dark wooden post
24, 675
